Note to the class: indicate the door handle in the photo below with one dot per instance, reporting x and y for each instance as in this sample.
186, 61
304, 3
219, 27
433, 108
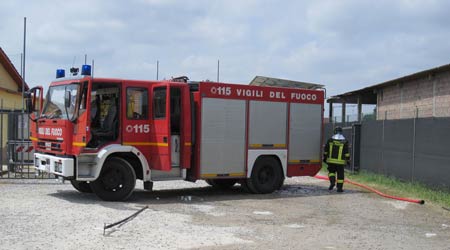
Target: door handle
165, 139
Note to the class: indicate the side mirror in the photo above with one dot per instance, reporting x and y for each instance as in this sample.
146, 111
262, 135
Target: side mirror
33, 101
67, 100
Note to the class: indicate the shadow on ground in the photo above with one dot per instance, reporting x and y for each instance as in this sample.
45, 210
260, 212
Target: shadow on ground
197, 195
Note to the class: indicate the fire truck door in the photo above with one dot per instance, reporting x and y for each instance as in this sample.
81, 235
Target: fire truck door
160, 136
136, 119
180, 126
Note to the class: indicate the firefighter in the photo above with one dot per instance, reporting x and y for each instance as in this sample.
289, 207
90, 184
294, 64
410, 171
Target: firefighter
336, 155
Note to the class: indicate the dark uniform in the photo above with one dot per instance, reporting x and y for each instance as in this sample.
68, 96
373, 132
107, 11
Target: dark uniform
336, 156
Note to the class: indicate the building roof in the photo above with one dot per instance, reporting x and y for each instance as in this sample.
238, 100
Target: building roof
9, 67
270, 81
369, 94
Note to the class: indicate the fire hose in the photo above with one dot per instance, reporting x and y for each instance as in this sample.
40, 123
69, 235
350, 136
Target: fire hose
375, 191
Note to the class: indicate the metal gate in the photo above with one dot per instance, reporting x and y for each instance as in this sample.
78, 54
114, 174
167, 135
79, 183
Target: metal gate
16, 149
352, 132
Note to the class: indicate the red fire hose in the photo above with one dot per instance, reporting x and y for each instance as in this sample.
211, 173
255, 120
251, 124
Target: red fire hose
376, 191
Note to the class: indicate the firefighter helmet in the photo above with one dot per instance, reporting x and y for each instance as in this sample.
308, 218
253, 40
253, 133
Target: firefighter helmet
337, 130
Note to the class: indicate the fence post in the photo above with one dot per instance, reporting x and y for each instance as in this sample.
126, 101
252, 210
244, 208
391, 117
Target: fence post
414, 145
382, 146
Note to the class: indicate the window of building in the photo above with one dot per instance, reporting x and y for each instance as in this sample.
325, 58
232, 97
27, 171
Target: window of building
137, 103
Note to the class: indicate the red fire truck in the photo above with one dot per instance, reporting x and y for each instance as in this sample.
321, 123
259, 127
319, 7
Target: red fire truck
102, 134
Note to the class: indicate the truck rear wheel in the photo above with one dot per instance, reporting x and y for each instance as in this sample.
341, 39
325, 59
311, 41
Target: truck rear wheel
222, 183
81, 186
266, 177
116, 181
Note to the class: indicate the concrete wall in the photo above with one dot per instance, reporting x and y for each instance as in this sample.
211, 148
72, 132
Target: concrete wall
427, 97
6, 81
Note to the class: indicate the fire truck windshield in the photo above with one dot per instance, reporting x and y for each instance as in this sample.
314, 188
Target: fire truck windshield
54, 106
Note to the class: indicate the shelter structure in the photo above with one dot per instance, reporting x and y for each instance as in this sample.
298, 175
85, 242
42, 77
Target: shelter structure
422, 94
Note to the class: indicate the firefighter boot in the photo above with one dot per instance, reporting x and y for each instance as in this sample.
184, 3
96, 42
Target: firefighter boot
332, 178
340, 185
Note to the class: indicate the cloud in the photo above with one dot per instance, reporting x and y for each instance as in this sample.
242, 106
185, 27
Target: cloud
345, 45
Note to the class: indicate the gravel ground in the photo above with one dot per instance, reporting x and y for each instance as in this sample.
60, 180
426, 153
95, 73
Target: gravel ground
303, 215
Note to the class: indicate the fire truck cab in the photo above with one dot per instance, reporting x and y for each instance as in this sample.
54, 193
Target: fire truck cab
103, 134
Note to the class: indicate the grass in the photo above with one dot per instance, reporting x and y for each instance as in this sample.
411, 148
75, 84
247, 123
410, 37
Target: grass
396, 187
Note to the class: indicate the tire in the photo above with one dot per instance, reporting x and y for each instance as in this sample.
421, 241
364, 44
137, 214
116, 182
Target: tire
266, 177
116, 181
249, 189
81, 186
222, 183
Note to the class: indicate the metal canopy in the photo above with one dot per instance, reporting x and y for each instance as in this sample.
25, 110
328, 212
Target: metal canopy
276, 82
364, 96
368, 95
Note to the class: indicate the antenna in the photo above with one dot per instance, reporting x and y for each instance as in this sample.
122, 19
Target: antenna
218, 70
85, 59
92, 74
157, 70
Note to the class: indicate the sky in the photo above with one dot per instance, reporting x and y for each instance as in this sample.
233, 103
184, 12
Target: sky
344, 45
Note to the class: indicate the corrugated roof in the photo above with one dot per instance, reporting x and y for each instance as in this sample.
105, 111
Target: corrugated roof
277, 82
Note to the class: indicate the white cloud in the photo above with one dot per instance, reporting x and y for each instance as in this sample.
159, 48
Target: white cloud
345, 45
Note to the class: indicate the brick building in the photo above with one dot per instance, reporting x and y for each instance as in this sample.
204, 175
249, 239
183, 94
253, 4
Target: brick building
422, 94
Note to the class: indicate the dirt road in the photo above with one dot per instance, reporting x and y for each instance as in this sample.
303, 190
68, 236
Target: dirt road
182, 215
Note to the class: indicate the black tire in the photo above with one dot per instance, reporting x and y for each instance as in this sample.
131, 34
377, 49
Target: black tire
81, 186
222, 183
116, 181
249, 189
266, 177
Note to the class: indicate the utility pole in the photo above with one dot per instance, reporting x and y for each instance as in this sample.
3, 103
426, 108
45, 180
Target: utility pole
23, 62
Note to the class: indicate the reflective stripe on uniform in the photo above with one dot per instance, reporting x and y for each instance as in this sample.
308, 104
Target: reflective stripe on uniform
341, 148
338, 160
340, 181
331, 174
330, 151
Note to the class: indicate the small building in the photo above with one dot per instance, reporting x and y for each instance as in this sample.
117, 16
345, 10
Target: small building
10, 99
422, 94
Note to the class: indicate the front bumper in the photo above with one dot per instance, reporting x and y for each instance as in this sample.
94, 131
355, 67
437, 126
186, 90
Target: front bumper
61, 166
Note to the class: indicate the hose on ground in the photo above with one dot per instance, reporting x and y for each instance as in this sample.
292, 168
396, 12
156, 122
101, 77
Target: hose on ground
375, 191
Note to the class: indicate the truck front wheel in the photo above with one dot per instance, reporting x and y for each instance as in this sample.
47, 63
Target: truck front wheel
266, 177
116, 181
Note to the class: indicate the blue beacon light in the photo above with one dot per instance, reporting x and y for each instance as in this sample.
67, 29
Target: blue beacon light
86, 70
60, 73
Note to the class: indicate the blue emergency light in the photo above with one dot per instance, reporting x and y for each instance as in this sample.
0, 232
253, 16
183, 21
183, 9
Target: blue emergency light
86, 70
60, 73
